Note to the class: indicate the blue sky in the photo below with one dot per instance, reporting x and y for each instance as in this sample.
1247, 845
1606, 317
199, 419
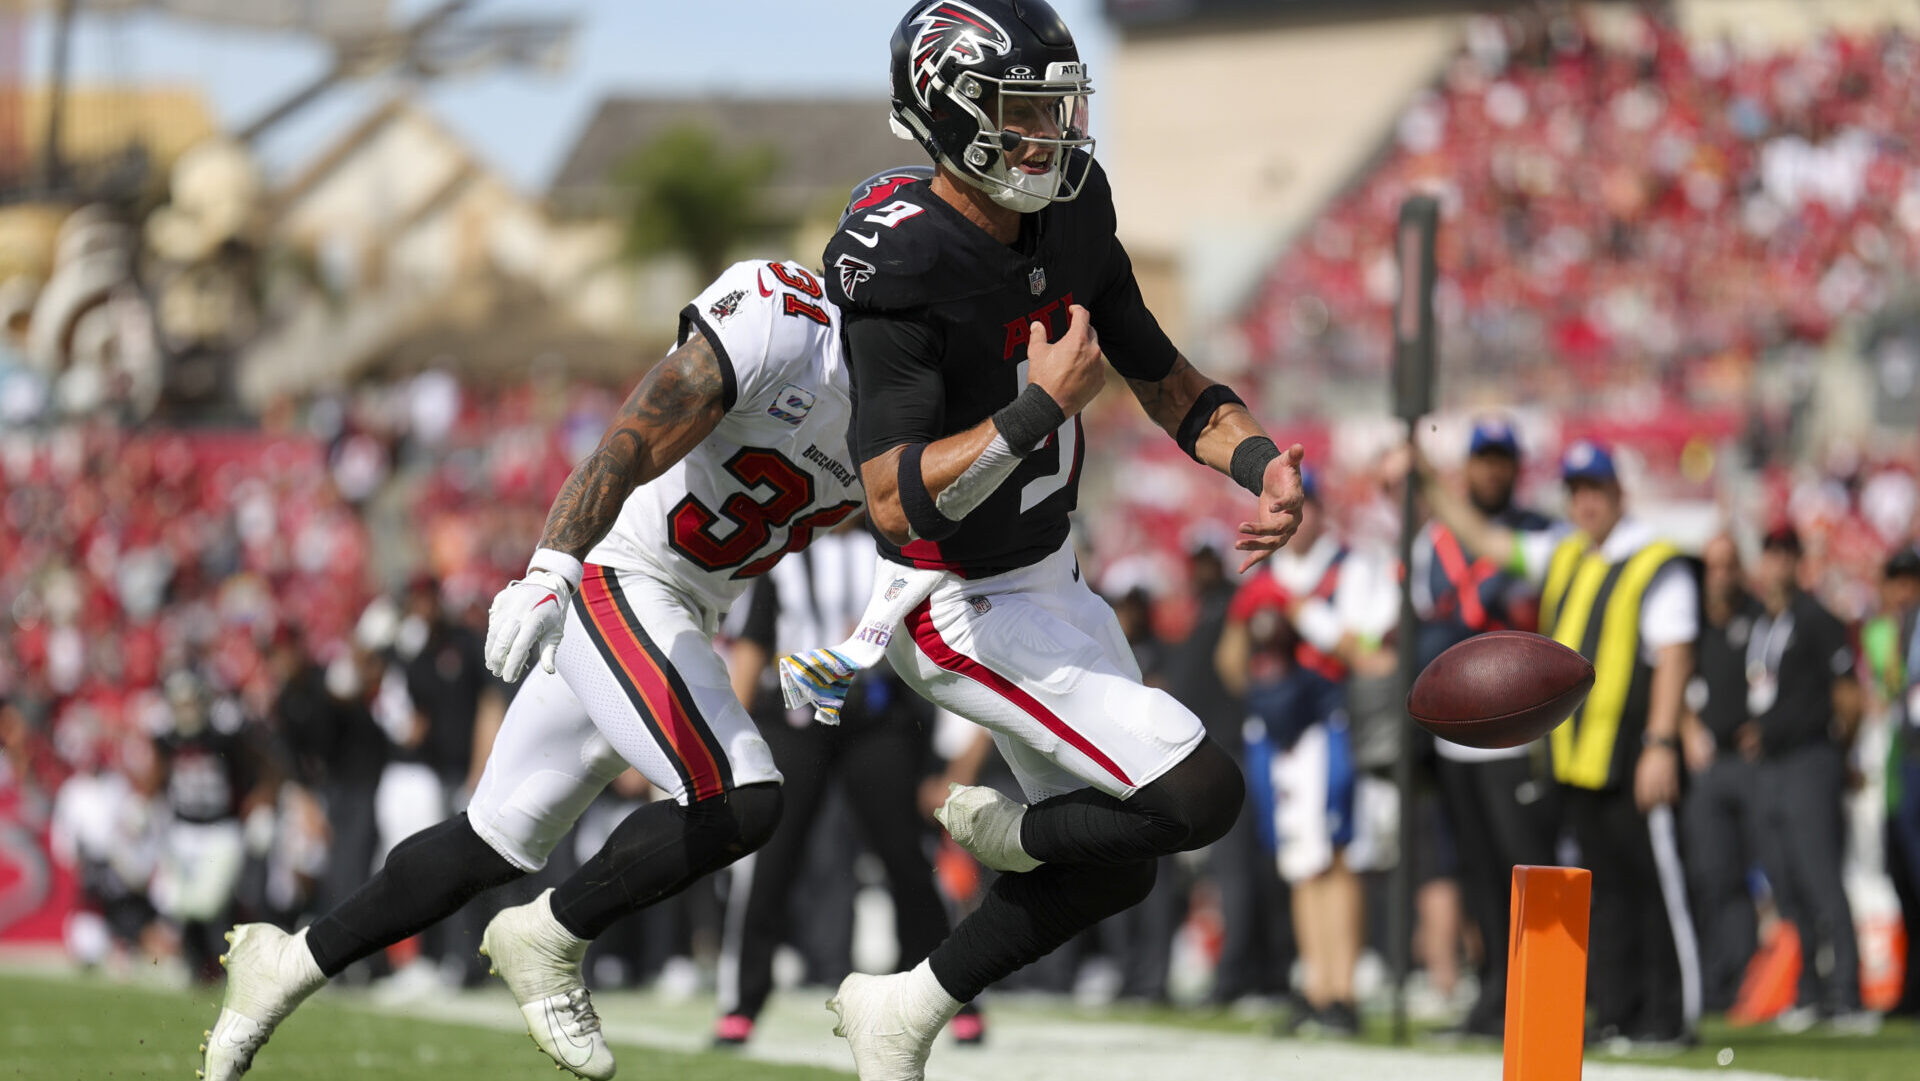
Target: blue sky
524, 121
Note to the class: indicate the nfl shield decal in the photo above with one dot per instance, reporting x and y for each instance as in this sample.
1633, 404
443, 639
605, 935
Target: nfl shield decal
1037, 281
792, 404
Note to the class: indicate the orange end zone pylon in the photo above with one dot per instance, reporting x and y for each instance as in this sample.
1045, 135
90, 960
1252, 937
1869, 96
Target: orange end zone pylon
1547, 973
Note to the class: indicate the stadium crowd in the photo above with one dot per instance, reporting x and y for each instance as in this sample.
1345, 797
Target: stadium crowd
1633, 219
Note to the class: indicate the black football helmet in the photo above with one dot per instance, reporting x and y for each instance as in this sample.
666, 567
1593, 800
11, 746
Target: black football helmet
963, 72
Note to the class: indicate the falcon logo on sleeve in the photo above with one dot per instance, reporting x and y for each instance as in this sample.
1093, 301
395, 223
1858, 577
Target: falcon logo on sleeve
853, 270
952, 31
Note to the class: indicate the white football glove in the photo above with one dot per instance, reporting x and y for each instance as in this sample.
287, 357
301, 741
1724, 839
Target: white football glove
526, 618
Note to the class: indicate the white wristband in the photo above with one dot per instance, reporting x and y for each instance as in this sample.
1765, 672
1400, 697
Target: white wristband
557, 562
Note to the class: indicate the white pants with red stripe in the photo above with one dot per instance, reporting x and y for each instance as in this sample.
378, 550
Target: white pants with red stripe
638, 684
1037, 657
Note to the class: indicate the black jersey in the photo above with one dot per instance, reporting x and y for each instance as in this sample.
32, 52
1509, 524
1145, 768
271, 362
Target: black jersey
934, 317
206, 774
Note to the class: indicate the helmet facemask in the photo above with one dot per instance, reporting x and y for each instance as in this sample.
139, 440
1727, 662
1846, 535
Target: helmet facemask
1012, 118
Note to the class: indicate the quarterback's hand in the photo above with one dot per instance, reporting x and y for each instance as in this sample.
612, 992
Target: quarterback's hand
526, 619
1281, 497
1071, 370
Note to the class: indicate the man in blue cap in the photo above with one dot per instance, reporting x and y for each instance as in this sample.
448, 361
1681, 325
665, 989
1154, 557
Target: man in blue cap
1500, 806
1629, 601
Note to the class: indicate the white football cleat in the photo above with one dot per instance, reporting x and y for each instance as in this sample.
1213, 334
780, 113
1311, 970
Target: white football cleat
878, 1023
987, 824
540, 962
269, 972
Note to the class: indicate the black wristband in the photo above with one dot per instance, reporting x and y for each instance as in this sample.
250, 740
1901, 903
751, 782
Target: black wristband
1028, 419
923, 515
1204, 407
1250, 458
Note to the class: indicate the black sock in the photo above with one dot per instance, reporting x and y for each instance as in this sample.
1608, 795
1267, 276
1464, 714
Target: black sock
1027, 916
661, 849
427, 878
1189, 806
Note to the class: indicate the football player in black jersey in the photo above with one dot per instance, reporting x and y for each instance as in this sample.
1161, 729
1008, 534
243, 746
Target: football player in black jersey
977, 308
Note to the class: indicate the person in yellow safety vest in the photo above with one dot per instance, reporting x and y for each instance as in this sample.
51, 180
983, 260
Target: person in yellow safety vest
1629, 601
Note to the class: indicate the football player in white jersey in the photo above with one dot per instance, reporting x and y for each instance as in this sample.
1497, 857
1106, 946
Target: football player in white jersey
730, 454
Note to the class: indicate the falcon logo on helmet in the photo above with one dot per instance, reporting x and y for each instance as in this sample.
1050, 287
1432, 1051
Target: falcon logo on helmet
853, 271
952, 31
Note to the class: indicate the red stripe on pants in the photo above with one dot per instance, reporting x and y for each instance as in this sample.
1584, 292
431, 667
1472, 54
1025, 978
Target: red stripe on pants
920, 623
674, 718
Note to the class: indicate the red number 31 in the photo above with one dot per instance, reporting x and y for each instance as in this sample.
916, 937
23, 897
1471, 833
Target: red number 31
805, 282
692, 523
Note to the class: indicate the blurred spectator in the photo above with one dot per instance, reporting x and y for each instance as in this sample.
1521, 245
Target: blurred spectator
1720, 817
1888, 646
1628, 601
1256, 946
351, 752
1142, 936
212, 774
102, 830
1806, 704
453, 698
1499, 805
1295, 632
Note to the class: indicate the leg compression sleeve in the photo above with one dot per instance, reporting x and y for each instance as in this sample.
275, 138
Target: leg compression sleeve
1190, 806
661, 849
427, 878
1027, 916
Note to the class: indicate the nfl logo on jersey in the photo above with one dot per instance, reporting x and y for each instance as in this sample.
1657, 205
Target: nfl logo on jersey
792, 404
1037, 281
894, 587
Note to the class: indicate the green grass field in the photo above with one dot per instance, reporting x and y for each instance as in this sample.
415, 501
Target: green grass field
90, 1030
80, 1029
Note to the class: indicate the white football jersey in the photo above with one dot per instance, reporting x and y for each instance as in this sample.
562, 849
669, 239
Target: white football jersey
776, 472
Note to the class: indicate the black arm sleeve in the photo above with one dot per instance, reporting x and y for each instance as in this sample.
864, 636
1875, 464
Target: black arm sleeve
898, 395
1129, 334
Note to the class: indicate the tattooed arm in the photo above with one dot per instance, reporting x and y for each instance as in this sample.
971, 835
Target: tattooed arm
1170, 398
677, 405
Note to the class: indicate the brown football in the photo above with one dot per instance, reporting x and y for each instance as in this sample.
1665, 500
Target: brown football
1500, 689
